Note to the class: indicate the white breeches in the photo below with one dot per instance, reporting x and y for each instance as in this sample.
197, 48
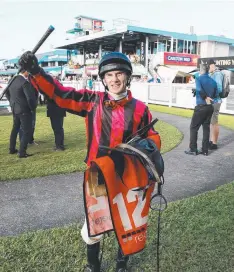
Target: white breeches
89, 240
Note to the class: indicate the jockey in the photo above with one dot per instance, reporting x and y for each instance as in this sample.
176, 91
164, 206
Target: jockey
111, 117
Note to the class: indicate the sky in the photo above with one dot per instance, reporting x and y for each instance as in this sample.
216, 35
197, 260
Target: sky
22, 23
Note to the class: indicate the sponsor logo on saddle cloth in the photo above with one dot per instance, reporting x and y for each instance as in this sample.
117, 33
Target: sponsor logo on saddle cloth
112, 203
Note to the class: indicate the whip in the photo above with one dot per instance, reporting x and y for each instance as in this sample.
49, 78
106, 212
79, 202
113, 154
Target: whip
38, 45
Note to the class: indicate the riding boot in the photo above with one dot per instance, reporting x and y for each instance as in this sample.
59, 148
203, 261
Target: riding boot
93, 258
121, 265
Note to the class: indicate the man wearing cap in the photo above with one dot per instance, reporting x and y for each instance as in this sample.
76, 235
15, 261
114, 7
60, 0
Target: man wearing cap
217, 76
111, 118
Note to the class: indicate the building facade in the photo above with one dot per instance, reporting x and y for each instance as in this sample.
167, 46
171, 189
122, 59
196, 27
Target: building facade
152, 47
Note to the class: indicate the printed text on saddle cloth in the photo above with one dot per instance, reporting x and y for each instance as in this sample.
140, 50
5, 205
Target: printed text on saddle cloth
119, 207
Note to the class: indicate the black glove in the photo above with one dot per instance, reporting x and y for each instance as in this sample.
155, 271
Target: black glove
29, 62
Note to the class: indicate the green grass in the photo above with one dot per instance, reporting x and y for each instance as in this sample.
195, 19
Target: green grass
46, 161
197, 235
224, 120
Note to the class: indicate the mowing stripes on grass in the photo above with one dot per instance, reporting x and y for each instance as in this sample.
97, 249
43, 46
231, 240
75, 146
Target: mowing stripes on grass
48, 162
197, 235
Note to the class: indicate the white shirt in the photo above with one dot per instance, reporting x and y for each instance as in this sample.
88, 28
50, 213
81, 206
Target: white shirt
23, 76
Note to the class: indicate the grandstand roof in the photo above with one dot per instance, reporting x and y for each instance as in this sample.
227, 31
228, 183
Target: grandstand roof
46, 55
47, 58
87, 17
109, 40
132, 34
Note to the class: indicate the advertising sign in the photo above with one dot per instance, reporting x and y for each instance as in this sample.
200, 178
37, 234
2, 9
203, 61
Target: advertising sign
224, 62
171, 58
97, 25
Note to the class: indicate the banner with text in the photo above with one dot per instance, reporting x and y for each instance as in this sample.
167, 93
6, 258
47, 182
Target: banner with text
97, 25
181, 59
222, 62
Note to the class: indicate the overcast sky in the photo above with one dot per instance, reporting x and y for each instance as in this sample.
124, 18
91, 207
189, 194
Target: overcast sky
22, 23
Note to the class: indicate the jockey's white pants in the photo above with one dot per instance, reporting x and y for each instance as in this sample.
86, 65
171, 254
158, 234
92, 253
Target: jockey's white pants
85, 235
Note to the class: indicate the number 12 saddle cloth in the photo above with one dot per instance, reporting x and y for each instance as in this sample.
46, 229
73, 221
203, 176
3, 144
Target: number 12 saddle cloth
118, 189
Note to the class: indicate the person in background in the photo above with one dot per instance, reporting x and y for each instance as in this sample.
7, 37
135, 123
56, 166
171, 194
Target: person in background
90, 83
206, 91
41, 99
84, 80
23, 102
191, 79
144, 78
56, 115
217, 76
151, 80
155, 79
31, 141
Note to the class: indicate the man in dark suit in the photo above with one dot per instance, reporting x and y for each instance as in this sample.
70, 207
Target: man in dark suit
56, 115
36, 91
23, 103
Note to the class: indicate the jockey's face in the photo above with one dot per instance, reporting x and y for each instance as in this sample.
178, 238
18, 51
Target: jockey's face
116, 81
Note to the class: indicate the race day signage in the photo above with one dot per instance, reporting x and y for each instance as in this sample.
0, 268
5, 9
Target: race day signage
180, 59
224, 62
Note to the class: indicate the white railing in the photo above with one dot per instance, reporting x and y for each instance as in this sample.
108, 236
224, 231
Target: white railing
168, 94
228, 103
175, 95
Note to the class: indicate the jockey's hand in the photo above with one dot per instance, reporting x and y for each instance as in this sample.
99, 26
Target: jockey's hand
28, 61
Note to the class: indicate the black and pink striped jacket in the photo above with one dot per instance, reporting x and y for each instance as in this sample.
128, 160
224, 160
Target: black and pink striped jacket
107, 123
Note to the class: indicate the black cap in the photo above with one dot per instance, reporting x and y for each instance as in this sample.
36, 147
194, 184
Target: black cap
211, 61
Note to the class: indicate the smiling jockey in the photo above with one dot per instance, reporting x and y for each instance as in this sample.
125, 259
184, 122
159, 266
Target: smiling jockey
111, 118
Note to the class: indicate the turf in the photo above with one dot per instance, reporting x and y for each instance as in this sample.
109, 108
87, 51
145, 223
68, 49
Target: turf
45, 161
197, 235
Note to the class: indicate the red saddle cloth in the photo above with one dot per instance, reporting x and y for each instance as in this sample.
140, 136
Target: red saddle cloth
112, 203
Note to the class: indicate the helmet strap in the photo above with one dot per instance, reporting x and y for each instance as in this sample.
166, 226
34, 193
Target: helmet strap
106, 88
129, 81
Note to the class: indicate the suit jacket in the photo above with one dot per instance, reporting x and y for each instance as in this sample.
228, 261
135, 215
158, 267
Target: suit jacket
53, 110
35, 87
21, 96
